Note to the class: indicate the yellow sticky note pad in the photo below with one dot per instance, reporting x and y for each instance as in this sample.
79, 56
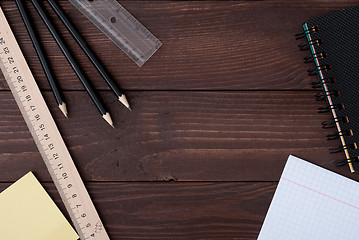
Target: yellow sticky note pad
28, 212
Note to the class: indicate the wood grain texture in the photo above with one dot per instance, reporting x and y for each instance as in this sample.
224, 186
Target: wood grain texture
178, 210
183, 136
231, 45
217, 110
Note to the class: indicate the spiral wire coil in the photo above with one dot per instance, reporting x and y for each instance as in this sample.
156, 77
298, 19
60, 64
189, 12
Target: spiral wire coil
325, 94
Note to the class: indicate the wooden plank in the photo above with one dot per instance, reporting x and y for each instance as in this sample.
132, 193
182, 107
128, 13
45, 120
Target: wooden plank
206, 45
183, 136
179, 210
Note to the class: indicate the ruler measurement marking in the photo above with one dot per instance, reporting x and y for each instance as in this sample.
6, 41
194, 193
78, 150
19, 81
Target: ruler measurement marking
47, 136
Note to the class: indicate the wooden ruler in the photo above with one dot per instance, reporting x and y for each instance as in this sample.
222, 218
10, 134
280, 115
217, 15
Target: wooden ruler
47, 137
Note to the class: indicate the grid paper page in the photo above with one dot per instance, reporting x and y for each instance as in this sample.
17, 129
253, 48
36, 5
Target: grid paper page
312, 203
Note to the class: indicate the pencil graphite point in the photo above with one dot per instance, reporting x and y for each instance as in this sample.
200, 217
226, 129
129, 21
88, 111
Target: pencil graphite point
124, 101
63, 109
108, 119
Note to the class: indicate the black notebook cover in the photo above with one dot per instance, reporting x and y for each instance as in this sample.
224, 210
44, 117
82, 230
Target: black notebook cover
334, 43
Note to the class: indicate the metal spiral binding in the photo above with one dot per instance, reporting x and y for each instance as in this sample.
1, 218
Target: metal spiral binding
310, 58
318, 83
302, 34
325, 109
314, 71
305, 46
331, 123
339, 163
342, 148
336, 135
322, 95
327, 94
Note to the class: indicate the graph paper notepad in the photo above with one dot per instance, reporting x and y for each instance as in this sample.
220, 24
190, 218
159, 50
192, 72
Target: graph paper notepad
312, 203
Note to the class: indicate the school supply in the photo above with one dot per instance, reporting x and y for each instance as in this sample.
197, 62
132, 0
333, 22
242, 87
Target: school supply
311, 202
43, 59
121, 27
47, 137
104, 113
27, 212
333, 40
105, 75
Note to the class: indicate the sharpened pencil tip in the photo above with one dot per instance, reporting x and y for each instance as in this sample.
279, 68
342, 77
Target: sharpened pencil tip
124, 101
63, 109
113, 126
108, 119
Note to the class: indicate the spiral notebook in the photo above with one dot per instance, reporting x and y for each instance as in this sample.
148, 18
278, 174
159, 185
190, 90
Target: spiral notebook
311, 202
333, 41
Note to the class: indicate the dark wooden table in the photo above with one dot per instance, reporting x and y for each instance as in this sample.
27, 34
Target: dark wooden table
216, 112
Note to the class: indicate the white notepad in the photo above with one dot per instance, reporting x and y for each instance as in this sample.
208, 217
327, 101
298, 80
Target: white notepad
312, 203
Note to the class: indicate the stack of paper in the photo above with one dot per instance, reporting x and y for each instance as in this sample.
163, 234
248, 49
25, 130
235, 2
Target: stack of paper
312, 203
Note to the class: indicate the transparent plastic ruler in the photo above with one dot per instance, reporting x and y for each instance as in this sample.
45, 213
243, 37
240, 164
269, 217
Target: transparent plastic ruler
47, 137
121, 27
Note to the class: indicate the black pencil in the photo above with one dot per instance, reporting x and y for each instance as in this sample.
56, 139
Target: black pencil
40, 52
72, 62
79, 39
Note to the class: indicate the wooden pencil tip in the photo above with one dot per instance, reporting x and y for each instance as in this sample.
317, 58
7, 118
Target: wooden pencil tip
63, 109
124, 101
108, 119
